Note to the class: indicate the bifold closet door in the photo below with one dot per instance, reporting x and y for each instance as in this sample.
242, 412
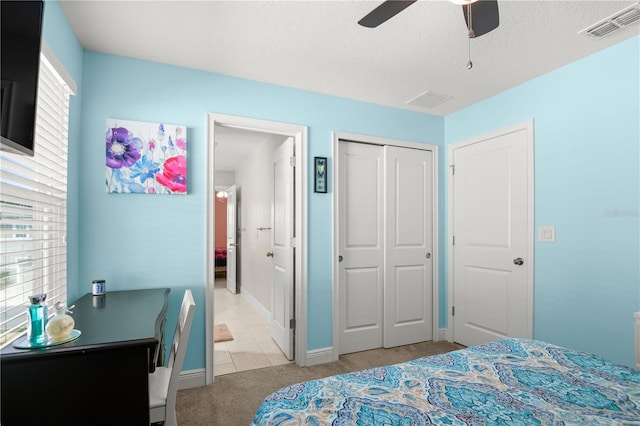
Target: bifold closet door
361, 220
408, 286
385, 197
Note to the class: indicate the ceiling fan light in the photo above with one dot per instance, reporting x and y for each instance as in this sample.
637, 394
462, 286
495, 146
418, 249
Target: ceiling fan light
462, 2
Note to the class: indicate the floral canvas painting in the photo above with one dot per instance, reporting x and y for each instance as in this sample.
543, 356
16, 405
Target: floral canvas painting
146, 158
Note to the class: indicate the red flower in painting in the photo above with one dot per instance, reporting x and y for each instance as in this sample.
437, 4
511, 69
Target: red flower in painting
174, 175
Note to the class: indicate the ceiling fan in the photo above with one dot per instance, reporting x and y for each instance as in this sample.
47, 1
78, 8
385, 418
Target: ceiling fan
481, 16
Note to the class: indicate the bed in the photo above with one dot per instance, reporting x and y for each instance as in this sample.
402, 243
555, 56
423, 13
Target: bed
220, 256
505, 382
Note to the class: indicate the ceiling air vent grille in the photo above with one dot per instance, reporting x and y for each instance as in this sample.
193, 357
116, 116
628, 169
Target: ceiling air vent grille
613, 23
428, 99
627, 17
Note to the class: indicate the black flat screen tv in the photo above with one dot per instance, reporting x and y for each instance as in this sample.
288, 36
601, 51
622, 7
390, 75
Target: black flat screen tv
21, 37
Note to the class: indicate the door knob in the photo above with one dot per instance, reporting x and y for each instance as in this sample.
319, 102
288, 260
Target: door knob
269, 254
340, 258
518, 261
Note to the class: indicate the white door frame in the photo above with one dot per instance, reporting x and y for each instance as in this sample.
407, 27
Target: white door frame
299, 134
374, 140
527, 126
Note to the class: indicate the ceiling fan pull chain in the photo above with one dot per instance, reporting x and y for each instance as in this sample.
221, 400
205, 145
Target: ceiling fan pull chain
470, 34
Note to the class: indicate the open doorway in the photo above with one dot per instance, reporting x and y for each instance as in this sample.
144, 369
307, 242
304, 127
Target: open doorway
244, 251
221, 205
241, 166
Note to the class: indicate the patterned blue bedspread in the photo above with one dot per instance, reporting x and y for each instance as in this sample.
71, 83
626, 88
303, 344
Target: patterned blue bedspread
506, 382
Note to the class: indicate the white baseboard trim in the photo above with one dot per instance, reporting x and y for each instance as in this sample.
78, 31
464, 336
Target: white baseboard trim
442, 334
319, 356
192, 379
448, 334
255, 304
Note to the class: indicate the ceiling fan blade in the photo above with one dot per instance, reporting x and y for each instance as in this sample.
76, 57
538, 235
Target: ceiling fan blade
384, 12
484, 16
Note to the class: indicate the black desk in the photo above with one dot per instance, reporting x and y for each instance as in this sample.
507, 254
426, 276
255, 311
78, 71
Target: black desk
100, 378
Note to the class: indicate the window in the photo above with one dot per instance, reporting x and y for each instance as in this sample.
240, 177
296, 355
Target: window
33, 208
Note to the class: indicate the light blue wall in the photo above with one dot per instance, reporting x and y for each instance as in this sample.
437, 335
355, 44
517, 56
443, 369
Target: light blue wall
587, 184
137, 241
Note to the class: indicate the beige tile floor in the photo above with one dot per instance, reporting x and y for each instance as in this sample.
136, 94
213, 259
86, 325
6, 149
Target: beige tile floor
252, 346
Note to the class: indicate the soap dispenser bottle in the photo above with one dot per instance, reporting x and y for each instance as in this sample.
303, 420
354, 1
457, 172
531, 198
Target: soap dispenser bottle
37, 320
59, 327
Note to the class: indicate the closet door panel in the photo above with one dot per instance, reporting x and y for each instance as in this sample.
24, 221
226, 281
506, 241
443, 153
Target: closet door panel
408, 295
361, 220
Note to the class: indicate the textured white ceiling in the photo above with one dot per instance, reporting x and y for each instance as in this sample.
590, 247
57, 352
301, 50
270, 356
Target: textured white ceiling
318, 46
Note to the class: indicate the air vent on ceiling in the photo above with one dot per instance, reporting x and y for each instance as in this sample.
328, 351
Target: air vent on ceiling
428, 99
613, 23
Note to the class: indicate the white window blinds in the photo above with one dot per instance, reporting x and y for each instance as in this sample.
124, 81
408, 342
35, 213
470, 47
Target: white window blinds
33, 210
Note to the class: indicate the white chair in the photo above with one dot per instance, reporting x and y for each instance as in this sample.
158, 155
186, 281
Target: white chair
163, 383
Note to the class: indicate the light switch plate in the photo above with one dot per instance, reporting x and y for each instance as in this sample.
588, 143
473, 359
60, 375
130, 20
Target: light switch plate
547, 234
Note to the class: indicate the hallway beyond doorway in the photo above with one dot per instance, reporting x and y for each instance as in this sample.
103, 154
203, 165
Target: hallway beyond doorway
252, 346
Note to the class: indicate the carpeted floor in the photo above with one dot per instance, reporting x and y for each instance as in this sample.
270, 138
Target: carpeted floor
234, 398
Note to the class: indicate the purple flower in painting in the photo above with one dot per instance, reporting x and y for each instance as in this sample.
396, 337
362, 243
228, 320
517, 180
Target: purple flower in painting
161, 131
152, 145
144, 169
174, 175
181, 143
122, 148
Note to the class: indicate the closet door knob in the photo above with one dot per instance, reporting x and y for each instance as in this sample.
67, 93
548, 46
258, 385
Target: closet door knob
269, 254
518, 261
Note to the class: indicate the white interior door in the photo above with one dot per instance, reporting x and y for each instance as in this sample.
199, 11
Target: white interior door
492, 227
282, 307
232, 243
408, 294
361, 238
